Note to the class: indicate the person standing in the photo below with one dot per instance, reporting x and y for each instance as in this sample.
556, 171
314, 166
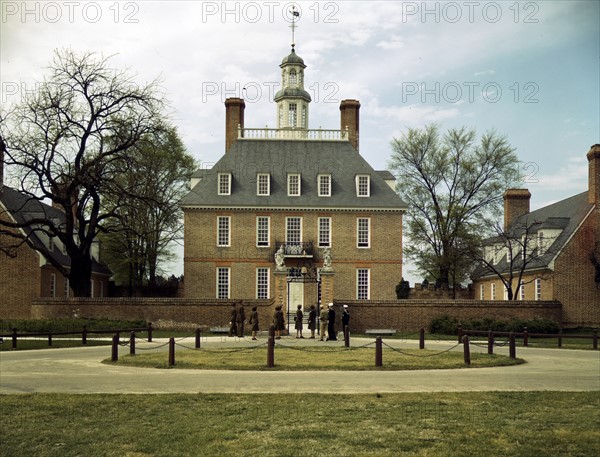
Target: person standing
278, 322
298, 322
331, 336
312, 321
345, 320
323, 327
254, 322
241, 319
233, 321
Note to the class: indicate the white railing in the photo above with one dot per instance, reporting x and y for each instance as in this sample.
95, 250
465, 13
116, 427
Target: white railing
295, 134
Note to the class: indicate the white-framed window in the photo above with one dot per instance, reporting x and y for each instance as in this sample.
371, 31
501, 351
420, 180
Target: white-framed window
324, 184
293, 184
263, 231
224, 184
324, 232
263, 184
363, 284
293, 75
293, 230
505, 292
363, 185
292, 114
262, 283
303, 119
223, 285
522, 291
538, 289
481, 291
52, 285
363, 232
492, 291
67, 288
223, 231
525, 246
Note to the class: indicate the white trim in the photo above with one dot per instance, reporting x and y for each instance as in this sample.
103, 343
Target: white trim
361, 209
268, 218
258, 184
319, 177
268, 285
329, 231
222, 175
228, 269
368, 233
287, 226
228, 218
296, 175
358, 187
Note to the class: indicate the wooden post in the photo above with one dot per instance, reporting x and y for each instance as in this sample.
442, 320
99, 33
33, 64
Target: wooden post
49, 339
149, 332
197, 338
84, 335
171, 351
490, 342
272, 331
422, 338
115, 348
560, 338
378, 352
595, 339
525, 337
460, 335
14, 338
467, 350
271, 352
132, 344
512, 350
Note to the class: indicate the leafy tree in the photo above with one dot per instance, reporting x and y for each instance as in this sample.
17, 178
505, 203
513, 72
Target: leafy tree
402, 289
69, 142
148, 227
453, 187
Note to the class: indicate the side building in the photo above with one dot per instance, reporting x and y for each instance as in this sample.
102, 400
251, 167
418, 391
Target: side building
560, 245
292, 215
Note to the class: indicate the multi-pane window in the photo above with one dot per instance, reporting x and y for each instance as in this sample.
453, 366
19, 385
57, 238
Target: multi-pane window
262, 283
52, 285
262, 231
324, 185
363, 236
324, 232
538, 289
263, 184
292, 114
223, 282
224, 183
303, 120
481, 292
293, 231
362, 284
67, 289
293, 184
292, 76
363, 185
223, 231
492, 291
522, 291
505, 292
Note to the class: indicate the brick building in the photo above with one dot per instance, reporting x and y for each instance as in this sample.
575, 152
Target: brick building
26, 273
561, 242
292, 215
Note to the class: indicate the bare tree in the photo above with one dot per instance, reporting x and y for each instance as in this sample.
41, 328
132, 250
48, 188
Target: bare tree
453, 186
511, 253
67, 144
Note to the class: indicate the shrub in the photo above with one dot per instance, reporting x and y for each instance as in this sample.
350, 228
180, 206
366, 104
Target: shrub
449, 325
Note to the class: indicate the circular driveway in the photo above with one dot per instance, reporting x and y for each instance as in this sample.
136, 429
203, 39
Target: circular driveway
79, 370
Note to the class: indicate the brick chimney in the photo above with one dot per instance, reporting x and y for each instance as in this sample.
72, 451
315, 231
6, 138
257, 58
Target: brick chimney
350, 119
234, 117
516, 203
593, 157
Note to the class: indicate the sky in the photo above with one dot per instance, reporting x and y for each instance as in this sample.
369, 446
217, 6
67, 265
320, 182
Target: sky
529, 70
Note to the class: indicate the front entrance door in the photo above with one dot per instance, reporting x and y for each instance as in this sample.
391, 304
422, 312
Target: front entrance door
296, 297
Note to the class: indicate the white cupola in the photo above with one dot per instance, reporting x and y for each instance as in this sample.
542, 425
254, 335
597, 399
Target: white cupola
292, 100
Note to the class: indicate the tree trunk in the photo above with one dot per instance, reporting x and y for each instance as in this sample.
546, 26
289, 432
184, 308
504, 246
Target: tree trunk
80, 276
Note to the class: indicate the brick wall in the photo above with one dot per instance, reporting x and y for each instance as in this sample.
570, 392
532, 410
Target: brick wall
402, 315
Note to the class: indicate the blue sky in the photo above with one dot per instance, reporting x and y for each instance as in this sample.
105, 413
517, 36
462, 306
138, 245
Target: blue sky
529, 70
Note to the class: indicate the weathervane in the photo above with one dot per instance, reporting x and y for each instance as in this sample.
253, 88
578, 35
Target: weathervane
295, 14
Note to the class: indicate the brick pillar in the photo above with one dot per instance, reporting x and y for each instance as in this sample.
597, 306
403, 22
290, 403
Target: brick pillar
327, 288
234, 118
516, 203
350, 119
281, 288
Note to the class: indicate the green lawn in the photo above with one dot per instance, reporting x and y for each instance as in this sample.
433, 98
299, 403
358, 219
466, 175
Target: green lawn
313, 358
536, 424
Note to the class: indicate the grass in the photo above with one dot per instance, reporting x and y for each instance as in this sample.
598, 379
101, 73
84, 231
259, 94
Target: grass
255, 358
27, 344
540, 424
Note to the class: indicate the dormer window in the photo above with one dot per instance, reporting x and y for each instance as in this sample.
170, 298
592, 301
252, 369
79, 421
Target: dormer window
224, 184
324, 184
263, 184
363, 184
293, 184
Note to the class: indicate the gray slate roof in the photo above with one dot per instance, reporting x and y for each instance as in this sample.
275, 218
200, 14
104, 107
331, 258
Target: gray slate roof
23, 208
566, 214
246, 158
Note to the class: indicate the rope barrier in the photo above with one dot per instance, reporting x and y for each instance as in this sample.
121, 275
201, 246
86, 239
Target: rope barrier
414, 355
